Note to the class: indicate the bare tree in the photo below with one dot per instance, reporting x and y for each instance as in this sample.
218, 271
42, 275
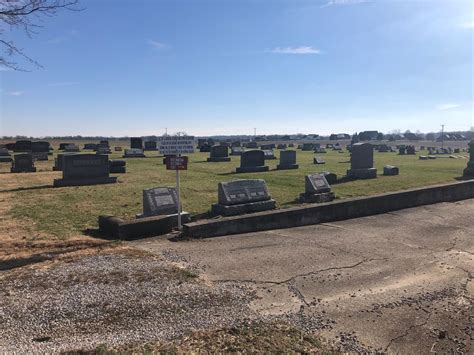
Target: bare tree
25, 15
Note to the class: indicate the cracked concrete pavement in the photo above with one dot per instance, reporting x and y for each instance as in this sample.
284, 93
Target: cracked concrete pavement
400, 282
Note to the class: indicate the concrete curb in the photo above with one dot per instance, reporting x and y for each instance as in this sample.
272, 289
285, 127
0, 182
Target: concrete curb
328, 212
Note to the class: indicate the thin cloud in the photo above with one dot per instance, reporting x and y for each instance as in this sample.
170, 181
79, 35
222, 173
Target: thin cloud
65, 37
344, 2
66, 83
15, 93
295, 50
446, 107
156, 44
467, 24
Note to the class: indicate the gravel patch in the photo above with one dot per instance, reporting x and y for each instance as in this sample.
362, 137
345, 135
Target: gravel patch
113, 300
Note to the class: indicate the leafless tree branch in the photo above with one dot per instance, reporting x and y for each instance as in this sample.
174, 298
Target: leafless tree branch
26, 15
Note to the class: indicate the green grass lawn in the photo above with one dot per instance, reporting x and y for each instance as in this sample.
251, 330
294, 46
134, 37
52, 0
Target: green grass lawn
68, 211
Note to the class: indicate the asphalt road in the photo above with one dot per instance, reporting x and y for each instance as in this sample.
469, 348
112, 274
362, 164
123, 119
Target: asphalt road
400, 282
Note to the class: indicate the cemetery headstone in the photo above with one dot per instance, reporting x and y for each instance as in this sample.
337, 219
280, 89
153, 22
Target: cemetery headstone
281, 146
136, 143
161, 201
205, 148
71, 148
252, 145
291, 145
402, 150
318, 160
320, 150
5, 156
219, 153
150, 145
118, 149
237, 150
22, 146
134, 153
103, 148
287, 160
362, 162
317, 189
117, 166
423, 157
84, 169
242, 196
58, 161
90, 146
411, 150
390, 170
252, 161
269, 155
236, 144
23, 163
331, 178
307, 147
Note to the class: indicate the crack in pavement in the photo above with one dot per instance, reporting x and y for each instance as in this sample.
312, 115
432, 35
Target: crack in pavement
303, 275
407, 331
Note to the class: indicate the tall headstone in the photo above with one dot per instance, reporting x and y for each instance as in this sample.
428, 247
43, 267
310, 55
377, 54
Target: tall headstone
136, 143
242, 196
469, 171
362, 162
22, 146
252, 161
219, 153
317, 189
150, 145
23, 163
287, 160
307, 147
85, 169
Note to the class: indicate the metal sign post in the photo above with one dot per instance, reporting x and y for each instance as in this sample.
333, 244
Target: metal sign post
179, 199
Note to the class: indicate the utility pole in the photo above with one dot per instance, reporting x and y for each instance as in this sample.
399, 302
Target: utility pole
442, 136
254, 134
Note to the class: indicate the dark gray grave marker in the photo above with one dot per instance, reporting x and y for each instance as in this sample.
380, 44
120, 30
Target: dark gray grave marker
362, 162
23, 163
317, 189
84, 169
219, 153
252, 161
242, 196
287, 160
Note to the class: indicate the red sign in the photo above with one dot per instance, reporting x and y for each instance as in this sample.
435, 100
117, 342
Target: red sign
176, 163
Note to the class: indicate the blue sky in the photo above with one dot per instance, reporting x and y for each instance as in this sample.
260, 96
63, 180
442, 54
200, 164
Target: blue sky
225, 67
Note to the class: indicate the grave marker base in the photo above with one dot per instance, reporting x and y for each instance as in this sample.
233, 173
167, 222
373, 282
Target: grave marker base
317, 198
30, 170
234, 210
251, 169
287, 167
84, 182
362, 173
217, 159
117, 228
6, 159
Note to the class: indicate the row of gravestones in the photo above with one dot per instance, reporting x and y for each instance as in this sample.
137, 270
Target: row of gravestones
236, 197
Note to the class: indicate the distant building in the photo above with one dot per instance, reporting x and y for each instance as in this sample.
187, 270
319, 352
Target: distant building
368, 135
339, 136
